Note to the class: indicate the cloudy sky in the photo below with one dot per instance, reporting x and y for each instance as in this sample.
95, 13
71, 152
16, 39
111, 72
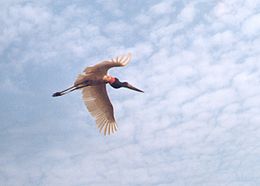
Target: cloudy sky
198, 122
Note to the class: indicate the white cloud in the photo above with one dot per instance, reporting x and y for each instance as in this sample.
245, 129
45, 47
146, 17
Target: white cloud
251, 26
232, 13
117, 27
112, 6
162, 8
188, 13
143, 19
224, 38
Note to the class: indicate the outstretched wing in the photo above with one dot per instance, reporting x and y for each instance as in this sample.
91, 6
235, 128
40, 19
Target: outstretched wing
102, 67
100, 107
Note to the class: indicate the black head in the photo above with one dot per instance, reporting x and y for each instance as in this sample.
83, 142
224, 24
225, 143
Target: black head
118, 84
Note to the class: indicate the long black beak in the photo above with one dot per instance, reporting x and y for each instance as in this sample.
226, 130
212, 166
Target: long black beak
133, 88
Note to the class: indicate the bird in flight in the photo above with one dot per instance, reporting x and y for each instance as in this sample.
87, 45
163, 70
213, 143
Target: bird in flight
93, 82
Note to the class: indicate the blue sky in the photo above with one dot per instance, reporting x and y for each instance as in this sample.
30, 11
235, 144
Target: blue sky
196, 124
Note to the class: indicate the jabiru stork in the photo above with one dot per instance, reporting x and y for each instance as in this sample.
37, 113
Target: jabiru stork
93, 82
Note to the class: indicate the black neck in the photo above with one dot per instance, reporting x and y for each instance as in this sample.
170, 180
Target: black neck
118, 84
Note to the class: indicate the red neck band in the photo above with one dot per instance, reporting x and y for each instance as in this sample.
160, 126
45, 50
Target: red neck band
112, 80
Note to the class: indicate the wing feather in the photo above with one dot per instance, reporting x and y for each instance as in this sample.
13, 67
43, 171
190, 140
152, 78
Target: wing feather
100, 107
102, 67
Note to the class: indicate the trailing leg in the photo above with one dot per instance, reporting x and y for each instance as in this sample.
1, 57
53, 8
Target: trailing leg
66, 91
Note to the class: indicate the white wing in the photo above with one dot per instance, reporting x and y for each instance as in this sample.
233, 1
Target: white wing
102, 67
100, 107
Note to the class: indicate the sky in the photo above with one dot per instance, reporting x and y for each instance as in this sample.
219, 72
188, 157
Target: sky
196, 124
